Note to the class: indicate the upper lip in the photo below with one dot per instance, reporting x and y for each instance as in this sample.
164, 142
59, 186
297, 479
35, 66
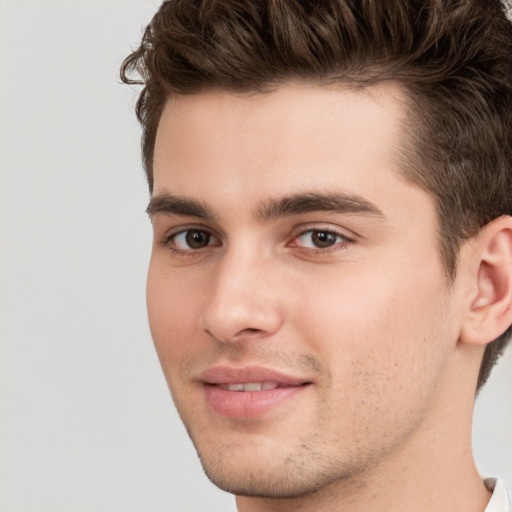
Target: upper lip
248, 374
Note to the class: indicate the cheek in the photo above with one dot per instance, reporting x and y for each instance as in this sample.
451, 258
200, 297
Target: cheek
172, 312
382, 328
385, 346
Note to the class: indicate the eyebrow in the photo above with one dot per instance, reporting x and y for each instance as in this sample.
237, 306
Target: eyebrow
296, 204
317, 202
174, 205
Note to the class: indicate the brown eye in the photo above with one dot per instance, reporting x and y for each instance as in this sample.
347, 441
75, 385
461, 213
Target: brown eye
322, 239
197, 239
192, 239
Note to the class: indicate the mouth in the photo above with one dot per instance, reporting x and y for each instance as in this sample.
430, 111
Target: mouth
249, 392
251, 386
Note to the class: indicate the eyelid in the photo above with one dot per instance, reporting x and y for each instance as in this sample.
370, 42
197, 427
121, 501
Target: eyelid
337, 231
345, 233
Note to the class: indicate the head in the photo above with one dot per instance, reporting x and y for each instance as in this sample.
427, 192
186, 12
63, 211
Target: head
438, 77
451, 58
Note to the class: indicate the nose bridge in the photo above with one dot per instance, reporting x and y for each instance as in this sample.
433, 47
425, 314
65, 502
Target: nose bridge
243, 299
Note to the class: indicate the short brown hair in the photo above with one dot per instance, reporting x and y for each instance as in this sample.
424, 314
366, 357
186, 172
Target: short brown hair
452, 57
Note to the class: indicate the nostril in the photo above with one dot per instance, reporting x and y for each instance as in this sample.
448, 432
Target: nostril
232, 318
248, 333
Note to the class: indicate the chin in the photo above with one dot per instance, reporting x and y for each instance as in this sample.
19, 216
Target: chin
269, 485
282, 475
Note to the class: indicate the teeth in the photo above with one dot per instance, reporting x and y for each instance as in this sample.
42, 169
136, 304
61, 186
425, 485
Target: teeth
250, 386
235, 387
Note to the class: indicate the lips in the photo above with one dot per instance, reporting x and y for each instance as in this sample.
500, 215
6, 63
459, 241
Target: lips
249, 392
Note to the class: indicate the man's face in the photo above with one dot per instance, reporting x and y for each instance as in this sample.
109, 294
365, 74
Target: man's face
296, 296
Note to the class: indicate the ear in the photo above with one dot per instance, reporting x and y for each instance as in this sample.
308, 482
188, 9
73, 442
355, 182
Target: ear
490, 308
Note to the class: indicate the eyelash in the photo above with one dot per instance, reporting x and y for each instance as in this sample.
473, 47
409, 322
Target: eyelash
345, 240
169, 243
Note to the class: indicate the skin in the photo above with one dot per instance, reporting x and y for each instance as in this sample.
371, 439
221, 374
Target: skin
369, 322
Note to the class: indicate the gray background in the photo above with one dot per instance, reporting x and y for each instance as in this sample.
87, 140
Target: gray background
86, 420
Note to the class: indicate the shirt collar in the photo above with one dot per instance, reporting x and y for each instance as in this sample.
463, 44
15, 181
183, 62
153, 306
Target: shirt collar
499, 499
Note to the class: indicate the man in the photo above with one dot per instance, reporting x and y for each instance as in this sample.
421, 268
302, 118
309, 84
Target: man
331, 275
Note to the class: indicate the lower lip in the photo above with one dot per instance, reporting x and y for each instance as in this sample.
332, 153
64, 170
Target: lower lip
248, 404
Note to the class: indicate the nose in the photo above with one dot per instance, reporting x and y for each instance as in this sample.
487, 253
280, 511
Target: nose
244, 299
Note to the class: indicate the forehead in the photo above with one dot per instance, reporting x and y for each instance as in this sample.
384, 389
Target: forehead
299, 137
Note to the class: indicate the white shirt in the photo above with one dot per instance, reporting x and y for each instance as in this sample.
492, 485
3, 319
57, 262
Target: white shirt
499, 499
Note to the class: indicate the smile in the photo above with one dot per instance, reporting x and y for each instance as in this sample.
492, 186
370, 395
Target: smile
250, 386
249, 392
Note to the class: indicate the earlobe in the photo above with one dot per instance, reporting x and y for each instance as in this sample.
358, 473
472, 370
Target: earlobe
490, 312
